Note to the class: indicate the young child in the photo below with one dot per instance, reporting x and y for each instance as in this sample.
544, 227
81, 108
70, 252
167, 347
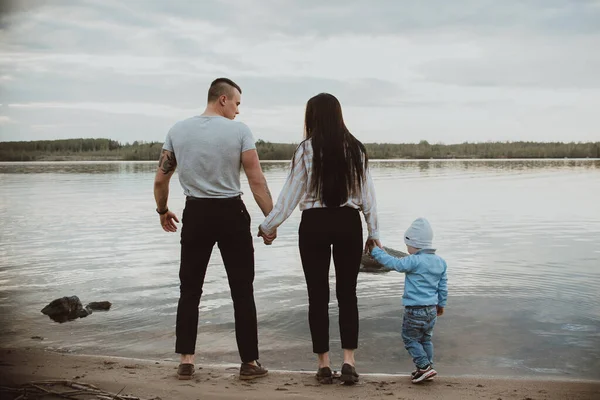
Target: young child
425, 294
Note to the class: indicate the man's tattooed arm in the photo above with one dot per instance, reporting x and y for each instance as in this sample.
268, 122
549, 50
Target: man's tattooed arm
167, 162
166, 166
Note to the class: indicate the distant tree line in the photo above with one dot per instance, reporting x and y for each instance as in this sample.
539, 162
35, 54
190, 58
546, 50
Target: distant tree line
79, 149
424, 150
107, 149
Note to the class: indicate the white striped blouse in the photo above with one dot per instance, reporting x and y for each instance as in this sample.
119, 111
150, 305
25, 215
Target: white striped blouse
296, 190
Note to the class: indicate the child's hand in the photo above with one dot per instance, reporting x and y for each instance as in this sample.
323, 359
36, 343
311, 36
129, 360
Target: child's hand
440, 311
370, 245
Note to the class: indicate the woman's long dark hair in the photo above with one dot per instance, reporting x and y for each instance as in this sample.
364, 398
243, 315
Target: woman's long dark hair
339, 159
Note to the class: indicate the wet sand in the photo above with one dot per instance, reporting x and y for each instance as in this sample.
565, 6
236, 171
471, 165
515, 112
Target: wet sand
149, 379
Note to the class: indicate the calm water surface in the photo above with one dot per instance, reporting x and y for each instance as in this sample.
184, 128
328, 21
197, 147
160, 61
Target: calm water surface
521, 238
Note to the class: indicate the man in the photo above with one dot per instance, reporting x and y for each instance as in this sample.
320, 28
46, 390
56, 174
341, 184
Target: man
209, 150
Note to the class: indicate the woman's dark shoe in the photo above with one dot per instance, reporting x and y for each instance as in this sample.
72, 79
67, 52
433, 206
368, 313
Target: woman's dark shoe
325, 376
349, 375
185, 371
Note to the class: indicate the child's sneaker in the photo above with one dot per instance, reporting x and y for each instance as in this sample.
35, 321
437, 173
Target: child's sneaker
412, 375
423, 374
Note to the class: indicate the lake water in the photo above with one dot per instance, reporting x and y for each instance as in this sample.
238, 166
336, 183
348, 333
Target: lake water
521, 238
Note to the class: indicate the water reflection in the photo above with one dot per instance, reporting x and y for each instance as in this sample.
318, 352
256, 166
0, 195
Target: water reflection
126, 167
486, 165
78, 167
522, 240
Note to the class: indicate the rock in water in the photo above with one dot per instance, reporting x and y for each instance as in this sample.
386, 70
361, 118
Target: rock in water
368, 263
66, 309
100, 305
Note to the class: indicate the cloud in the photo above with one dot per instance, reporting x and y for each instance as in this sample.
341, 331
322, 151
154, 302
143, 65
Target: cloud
146, 109
563, 62
45, 123
403, 70
338, 17
4, 120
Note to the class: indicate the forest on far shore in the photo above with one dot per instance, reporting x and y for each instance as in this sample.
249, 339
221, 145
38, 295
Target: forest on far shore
107, 149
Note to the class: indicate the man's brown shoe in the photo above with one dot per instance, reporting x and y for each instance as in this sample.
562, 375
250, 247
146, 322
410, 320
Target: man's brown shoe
249, 371
185, 371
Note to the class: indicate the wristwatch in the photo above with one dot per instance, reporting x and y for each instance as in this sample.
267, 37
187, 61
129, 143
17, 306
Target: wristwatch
166, 210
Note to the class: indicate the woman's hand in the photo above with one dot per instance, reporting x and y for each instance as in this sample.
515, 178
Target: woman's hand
267, 239
370, 245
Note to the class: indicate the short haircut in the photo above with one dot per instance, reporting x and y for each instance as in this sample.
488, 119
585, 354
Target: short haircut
220, 87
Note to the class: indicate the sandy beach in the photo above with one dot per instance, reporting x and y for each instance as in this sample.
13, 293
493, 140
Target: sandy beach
154, 379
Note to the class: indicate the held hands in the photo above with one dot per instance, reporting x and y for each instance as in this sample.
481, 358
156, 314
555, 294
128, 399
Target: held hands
440, 311
167, 221
370, 245
267, 239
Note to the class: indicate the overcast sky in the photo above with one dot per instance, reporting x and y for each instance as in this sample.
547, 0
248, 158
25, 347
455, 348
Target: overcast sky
404, 70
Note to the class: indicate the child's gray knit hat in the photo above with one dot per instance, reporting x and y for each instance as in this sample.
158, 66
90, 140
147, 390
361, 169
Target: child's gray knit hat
419, 235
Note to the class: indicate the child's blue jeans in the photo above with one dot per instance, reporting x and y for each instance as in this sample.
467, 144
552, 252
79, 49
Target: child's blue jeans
417, 329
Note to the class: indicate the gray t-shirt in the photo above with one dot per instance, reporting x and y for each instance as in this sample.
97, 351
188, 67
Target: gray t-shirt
208, 150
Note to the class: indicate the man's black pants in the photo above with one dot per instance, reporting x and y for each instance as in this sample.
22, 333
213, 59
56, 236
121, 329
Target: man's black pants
225, 222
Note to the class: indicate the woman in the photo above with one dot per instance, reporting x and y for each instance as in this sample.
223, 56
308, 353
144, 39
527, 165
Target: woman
330, 179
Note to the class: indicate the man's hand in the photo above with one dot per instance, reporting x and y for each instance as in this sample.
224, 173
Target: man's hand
167, 221
164, 172
440, 311
267, 239
370, 245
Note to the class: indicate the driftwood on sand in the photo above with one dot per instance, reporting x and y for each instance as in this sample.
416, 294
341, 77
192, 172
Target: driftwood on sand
368, 263
62, 389
70, 308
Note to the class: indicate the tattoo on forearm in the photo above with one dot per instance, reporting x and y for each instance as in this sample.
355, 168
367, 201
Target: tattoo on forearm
167, 162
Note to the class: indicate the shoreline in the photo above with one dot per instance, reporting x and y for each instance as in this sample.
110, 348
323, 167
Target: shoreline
148, 379
60, 160
229, 365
